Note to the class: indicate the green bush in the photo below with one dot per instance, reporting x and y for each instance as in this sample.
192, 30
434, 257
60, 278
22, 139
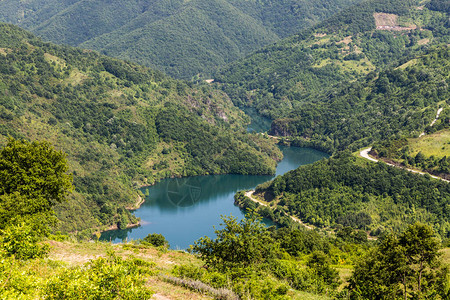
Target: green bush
157, 240
103, 278
20, 241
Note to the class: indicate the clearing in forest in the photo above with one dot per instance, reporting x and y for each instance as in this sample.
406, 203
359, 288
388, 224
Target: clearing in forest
385, 21
437, 144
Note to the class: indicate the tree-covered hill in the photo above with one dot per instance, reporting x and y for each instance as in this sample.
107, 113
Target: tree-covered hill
181, 38
347, 191
120, 124
397, 102
360, 40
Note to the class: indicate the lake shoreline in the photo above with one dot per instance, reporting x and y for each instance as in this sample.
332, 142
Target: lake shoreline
185, 209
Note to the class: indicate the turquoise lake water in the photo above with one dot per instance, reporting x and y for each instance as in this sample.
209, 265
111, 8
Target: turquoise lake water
185, 209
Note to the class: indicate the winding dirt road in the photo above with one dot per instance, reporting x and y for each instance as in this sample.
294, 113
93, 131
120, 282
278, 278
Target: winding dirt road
365, 153
249, 194
434, 121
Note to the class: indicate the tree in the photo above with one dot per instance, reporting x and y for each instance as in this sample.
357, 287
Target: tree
402, 267
156, 240
319, 263
33, 180
243, 243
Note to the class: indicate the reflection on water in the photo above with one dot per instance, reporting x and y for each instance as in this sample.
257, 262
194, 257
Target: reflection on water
258, 123
185, 209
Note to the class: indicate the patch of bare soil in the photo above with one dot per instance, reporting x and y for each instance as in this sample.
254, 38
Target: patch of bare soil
385, 21
347, 40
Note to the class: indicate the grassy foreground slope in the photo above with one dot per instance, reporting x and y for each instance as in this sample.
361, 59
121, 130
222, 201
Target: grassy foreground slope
358, 41
181, 38
120, 124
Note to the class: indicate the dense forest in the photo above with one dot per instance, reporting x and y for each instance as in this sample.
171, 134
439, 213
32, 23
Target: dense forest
355, 43
121, 125
347, 191
181, 38
396, 102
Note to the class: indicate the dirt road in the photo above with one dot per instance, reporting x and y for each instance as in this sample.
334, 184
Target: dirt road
249, 194
365, 153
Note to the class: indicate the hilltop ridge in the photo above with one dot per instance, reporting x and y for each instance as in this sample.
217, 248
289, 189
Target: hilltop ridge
181, 38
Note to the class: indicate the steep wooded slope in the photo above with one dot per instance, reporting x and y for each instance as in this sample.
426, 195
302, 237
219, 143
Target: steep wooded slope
179, 37
362, 39
121, 125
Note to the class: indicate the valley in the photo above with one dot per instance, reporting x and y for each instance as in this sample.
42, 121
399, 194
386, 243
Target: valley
306, 169
181, 38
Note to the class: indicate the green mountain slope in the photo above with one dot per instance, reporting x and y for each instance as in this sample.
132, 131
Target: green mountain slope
121, 125
179, 37
355, 42
397, 102
222, 33
349, 191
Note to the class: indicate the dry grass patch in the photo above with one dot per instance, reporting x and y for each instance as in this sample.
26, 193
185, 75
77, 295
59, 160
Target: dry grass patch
437, 144
4, 51
383, 19
423, 41
446, 255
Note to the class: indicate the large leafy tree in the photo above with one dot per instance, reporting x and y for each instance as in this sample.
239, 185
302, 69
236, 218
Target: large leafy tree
238, 244
33, 179
402, 267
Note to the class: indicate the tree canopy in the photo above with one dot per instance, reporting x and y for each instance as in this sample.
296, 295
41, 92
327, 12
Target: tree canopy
33, 179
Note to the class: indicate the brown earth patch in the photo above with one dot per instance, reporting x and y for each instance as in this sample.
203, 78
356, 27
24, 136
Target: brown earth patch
385, 21
347, 40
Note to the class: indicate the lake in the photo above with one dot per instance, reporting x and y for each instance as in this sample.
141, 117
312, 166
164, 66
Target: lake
185, 209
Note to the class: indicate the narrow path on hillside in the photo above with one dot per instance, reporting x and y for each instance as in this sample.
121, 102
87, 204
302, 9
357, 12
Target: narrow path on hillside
249, 194
434, 121
365, 153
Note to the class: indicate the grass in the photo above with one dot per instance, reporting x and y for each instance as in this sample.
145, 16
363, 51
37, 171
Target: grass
436, 144
307, 296
67, 254
362, 66
411, 62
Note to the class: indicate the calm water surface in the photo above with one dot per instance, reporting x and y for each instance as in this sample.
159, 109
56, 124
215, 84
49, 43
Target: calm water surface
185, 209
259, 123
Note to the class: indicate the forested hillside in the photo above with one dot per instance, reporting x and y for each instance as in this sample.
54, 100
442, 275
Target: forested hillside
359, 41
346, 191
181, 38
120, 124
396, 102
